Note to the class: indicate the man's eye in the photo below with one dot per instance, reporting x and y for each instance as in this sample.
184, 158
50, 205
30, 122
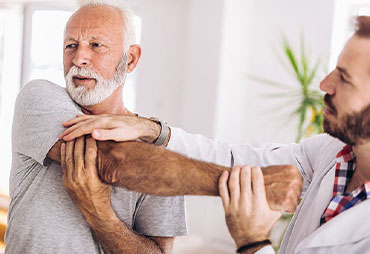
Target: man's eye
96, 45
342, 78
70, 46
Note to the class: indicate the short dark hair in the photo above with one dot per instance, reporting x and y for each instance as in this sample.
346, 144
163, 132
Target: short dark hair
362, 26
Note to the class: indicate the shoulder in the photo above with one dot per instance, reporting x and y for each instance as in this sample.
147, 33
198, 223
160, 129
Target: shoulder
39, 87
321, 151
39, 93
322, 144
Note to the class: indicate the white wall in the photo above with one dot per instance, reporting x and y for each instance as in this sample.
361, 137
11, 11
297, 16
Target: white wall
179, 68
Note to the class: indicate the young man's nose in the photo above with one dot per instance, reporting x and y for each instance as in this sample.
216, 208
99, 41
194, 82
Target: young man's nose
327, 85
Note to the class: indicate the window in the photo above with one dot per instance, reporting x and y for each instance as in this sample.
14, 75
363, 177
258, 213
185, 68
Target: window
47, 45
10, 69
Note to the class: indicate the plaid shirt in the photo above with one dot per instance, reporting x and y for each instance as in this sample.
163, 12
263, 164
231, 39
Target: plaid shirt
346, 164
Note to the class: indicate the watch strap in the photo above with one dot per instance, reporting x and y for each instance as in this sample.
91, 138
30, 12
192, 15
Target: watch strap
165, 130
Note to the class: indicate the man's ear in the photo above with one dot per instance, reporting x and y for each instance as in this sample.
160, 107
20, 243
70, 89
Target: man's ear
133, 57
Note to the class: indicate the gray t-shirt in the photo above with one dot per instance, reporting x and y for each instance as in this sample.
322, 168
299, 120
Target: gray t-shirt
42, 216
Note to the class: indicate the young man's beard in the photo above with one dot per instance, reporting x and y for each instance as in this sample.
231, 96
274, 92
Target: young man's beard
353, 129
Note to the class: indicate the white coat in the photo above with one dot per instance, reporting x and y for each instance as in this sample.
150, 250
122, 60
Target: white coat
348, 232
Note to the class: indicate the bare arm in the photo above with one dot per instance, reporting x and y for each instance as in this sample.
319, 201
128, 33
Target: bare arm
149, 169
143, 167
92, 197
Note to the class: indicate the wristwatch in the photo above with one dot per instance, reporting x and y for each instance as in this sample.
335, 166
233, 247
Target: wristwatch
165, 130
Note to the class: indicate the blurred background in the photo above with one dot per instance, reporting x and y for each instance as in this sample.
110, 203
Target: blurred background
221, 68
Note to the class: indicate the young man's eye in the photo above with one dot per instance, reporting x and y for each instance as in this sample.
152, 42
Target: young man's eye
342, 78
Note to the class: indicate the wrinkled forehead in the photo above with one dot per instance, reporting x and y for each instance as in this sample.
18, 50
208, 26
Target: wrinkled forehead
106, 20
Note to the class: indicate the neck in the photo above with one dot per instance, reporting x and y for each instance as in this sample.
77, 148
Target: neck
112, 105
362, 153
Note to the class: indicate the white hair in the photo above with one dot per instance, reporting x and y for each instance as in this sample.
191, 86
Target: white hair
127, 18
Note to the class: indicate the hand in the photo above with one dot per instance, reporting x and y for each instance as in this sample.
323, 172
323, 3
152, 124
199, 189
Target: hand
248, 216
81, 180
111, 127
283, 185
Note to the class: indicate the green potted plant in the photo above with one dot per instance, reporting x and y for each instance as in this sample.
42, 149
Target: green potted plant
311, 103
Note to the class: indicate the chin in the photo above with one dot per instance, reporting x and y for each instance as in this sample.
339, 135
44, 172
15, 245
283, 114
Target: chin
340, 133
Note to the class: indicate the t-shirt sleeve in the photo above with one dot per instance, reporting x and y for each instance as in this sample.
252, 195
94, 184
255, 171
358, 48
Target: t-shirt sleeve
161, 216
41, 108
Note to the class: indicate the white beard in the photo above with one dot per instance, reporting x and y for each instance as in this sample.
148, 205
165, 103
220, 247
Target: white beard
103, 88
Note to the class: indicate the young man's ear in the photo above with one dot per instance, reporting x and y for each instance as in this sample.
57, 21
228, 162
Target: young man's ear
133, 57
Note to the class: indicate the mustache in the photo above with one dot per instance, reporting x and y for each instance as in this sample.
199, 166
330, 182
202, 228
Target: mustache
83, 71
329, 103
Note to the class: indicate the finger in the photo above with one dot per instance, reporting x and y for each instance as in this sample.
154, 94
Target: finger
77, 119
74, 127
69, 159
234, 186
91, 154
87, 127
258, 184
79, 153
245, 183
63, 158
224, 190
116, 134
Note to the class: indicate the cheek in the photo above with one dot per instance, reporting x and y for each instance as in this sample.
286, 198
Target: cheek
67, 62
106, 67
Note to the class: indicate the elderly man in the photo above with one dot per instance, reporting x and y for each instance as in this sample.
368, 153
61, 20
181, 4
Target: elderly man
43, 218
333, 214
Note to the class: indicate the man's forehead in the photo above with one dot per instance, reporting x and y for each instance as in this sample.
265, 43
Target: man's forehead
355, 57
95, 17
95, 22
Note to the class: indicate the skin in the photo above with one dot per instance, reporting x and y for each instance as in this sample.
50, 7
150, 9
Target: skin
94, 38
348, 87
244, 200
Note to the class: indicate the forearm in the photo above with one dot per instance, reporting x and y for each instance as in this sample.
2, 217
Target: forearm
146, 168
149, 169
166, 173
116, 237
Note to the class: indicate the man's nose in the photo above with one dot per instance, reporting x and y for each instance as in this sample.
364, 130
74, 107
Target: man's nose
328, 84
82, 57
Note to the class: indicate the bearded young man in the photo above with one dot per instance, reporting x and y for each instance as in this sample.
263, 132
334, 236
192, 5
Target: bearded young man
332, 216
